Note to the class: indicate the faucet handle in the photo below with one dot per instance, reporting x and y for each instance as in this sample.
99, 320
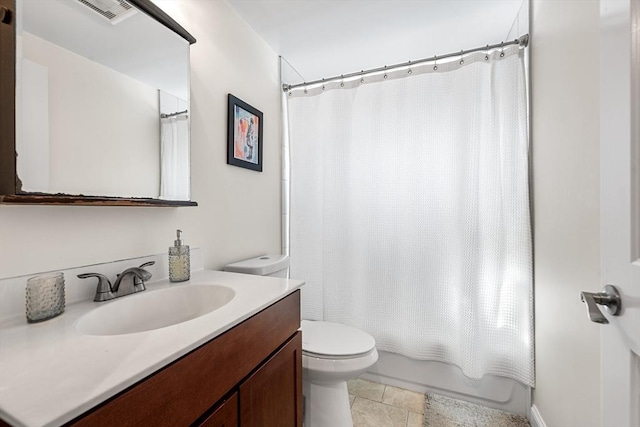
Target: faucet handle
103, 291
138, 283
147, 264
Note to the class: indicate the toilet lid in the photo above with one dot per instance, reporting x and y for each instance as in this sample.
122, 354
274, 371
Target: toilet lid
334, 339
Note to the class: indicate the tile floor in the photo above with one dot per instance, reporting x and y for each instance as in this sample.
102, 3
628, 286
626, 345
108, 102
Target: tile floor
375, 405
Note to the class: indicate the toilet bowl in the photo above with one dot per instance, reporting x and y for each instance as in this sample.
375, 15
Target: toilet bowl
332, 354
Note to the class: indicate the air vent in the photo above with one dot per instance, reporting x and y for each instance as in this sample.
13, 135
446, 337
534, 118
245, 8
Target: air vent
115, 11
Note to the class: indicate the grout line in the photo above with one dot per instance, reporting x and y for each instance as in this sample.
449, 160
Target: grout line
386, 404
384, 391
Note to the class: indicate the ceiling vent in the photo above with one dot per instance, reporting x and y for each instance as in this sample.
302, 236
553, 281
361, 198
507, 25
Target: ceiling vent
115, 11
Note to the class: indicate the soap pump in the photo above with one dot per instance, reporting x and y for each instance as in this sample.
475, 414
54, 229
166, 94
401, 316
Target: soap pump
179, 260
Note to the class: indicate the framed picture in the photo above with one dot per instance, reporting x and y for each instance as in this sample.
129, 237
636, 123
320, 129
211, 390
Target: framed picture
244, 139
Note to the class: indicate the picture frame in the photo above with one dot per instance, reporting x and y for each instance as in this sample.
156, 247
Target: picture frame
244, 135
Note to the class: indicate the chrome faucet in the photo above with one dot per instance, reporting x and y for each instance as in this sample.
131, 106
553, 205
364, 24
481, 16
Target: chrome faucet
128, 282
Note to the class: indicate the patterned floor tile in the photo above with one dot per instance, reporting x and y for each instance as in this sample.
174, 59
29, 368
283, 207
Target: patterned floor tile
402, 398
366, 389
367, 413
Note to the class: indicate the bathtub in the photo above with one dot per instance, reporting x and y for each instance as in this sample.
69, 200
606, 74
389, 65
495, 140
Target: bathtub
441, 378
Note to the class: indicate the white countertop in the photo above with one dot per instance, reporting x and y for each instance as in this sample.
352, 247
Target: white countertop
50, 373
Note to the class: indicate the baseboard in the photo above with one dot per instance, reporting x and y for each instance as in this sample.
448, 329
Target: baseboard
536, 419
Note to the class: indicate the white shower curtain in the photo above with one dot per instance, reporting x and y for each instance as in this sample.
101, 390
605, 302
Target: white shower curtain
409, 211
174, 158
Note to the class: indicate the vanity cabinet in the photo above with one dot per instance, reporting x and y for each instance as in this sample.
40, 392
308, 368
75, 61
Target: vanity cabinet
250, 375
270, 396
225, 415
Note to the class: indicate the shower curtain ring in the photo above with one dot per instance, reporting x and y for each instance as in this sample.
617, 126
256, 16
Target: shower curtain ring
502, 51
305, 88
342, 81
435, 63
486, 54
461, 57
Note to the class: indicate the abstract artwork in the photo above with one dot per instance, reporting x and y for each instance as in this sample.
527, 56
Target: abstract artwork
244, 145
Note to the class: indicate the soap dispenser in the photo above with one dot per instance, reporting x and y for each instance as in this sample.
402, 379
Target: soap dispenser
179, 260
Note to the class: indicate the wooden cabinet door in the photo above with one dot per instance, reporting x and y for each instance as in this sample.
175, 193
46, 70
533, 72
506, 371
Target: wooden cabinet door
225, 416
272, 396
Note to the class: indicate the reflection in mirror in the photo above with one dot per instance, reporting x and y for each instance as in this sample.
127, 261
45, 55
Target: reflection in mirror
102, 101
174, 147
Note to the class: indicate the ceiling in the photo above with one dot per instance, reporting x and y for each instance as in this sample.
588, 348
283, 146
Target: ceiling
138, 46
324, 38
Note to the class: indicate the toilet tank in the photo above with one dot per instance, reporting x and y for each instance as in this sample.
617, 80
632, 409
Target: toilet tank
265, 265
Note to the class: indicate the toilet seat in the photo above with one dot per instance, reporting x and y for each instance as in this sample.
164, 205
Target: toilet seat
332, 354
328, 340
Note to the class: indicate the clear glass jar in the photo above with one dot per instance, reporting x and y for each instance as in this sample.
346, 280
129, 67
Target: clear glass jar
45, 297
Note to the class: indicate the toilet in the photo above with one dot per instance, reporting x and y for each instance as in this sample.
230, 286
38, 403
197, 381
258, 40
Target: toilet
332, 354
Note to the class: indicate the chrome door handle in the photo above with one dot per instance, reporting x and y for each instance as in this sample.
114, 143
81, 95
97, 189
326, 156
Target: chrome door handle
609, 297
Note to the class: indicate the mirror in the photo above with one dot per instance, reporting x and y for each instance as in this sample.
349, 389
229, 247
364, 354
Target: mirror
102, 100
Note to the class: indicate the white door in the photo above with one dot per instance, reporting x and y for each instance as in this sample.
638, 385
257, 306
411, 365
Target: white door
620, 207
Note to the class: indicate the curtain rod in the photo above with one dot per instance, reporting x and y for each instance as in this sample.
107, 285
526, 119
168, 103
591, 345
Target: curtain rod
179, 113
522, 41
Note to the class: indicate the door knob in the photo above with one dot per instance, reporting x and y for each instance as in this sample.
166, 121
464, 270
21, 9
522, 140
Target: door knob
609, 297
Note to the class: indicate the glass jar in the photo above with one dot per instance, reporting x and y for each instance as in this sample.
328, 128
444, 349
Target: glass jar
45, 297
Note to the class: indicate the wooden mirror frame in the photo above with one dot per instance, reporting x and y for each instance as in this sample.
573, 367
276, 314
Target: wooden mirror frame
9, 181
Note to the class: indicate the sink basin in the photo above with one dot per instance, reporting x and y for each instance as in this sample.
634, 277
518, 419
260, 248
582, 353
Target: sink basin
149, 310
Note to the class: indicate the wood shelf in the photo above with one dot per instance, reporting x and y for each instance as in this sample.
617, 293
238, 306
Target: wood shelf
67, 200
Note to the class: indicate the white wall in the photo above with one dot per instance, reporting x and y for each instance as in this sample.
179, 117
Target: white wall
124, 124
565, 126
521, 25
239, 210
32, 142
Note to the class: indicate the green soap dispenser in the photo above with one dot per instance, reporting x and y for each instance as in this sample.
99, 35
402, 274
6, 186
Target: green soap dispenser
179, 260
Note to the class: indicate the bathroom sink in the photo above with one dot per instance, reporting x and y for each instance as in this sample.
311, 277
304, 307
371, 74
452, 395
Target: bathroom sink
149, 310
